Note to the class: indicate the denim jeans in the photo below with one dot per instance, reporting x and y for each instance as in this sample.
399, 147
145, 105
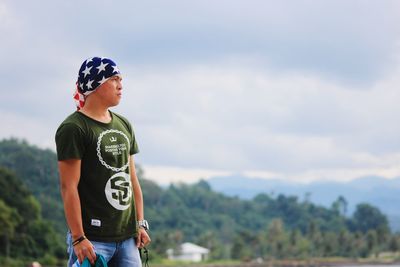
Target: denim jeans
117, 254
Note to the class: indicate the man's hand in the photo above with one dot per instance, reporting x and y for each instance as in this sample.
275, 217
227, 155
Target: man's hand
84, 250
143, 238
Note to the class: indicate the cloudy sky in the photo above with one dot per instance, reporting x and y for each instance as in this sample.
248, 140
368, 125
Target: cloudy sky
296, 90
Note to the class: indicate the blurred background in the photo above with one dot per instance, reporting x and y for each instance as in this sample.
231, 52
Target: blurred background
267, 129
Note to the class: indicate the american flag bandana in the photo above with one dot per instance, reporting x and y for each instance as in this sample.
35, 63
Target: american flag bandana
94, 72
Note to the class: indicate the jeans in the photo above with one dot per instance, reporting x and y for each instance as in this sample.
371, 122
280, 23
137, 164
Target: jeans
117, 254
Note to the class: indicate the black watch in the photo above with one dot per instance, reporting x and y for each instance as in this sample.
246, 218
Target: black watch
144, 224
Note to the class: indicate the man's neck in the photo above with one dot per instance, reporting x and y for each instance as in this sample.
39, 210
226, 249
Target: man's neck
97, 113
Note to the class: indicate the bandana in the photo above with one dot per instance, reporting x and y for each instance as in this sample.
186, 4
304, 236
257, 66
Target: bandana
94, 72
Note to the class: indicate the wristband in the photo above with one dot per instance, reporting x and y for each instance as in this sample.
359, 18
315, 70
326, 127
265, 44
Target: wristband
78, 240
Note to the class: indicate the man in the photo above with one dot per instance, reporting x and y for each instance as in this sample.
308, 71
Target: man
103, 201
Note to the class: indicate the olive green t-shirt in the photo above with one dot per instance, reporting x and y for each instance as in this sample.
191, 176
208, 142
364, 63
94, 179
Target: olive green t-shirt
105, 189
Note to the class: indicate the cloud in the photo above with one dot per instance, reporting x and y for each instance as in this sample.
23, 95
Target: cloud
339, 40
237, 118
291, 89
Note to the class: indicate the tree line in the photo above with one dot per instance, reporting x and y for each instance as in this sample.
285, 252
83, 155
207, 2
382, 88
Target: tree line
32, 223
267, 227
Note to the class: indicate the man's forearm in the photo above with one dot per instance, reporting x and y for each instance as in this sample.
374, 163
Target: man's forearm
137, 191
69, 180
72, 210
138, 203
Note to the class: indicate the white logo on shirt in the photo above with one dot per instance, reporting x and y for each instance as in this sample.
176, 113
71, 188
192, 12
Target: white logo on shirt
119, 191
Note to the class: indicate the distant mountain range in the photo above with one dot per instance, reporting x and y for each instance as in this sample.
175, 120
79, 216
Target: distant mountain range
380, 192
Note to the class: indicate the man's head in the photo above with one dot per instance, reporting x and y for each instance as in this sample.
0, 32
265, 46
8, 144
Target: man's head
93, 72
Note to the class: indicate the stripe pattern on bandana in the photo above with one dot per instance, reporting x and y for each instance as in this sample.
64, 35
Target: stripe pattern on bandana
94, 72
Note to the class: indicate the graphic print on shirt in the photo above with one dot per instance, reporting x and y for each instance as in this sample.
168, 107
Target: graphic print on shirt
112, 152
113, 144
119, 191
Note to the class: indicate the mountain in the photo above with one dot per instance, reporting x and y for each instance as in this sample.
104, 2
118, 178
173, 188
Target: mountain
380, 192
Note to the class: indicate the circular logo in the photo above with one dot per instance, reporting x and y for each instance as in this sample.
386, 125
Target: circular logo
119, 191
111, 144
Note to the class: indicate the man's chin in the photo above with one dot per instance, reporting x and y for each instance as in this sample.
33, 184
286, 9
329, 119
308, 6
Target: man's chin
114, 104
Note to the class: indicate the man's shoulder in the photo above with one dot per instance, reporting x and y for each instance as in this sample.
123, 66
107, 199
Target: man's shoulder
73, 120
72, 117
120, 117
123, 120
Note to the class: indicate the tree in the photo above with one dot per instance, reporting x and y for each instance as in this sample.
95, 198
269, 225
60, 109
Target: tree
346, 246
367, 217
340, 206
9, 219
209, 240
394, 243
23, 231
315, 238
276, 238
372, 242
242, 246
329, 244
37, 170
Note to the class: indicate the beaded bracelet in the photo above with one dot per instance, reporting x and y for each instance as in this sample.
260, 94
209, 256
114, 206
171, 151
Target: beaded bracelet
79, 240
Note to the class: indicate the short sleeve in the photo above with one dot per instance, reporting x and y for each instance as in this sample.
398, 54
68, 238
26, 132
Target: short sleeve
134, 145
70, 142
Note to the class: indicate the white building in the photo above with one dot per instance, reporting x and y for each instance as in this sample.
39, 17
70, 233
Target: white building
188, 252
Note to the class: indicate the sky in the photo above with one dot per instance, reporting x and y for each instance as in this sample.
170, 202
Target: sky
295, 90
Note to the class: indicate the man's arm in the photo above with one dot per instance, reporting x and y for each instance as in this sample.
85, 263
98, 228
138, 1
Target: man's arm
143, 237
70, 171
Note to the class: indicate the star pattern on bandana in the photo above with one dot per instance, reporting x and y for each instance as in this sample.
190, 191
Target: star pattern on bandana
115, 69
89, 84
86, 71
102, 67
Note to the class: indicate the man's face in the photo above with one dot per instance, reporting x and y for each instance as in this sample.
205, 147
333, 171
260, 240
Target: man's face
110, 91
